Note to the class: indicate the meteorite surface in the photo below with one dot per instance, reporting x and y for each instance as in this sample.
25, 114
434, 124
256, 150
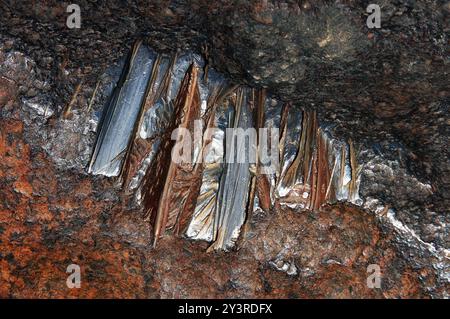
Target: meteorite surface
363, 167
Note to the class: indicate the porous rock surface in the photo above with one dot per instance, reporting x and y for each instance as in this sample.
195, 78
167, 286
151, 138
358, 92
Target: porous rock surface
386, 89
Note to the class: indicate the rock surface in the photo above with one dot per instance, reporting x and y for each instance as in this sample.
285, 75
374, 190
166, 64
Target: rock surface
386, 89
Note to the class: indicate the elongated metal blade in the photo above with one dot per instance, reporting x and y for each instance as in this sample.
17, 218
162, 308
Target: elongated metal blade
202, 223
316, 171
235, 180
154, 116
118, 121
156, 184
185, 172
268, 165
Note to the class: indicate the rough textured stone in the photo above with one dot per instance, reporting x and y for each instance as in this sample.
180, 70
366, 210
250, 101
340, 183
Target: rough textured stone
386, 89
